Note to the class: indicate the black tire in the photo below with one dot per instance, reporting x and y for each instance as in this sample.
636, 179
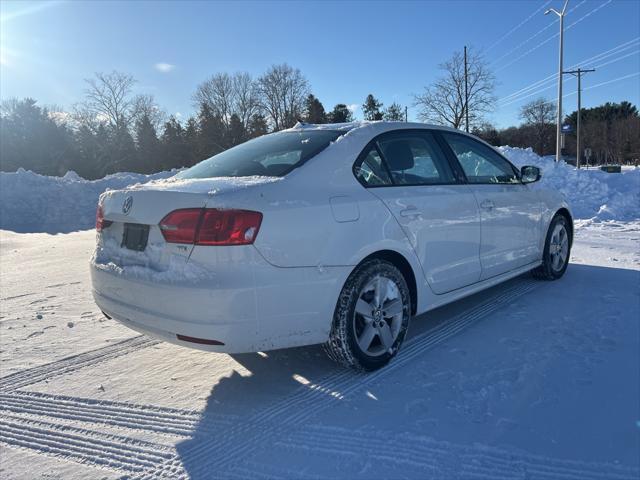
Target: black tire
550, 270
343, 346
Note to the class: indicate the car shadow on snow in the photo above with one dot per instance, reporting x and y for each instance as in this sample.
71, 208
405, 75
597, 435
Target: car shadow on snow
287, 390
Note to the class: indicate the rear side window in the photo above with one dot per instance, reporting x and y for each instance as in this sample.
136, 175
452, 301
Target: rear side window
272, 155
415, 159
479, 162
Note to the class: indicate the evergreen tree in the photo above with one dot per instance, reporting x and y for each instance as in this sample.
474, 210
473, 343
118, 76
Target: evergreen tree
90, 153
340, 114
174, 146
394, 113
314, 110
30, 138
211, 133
371, 108
191, 137
121, 151
147, 145
235, 134
257, 126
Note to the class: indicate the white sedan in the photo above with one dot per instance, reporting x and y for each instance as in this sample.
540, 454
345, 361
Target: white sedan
332, 234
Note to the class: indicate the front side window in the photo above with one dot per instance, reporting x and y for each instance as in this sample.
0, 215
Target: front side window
272, 155
415, 159
479, 162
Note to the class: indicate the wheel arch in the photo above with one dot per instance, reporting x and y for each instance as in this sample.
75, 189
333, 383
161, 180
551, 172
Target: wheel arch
402, 264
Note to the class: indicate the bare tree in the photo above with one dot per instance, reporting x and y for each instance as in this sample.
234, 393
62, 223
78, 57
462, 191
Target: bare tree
283, 91
217, 93
146, 106
109, 99
540, 114
444, 101
227, 95
246, 99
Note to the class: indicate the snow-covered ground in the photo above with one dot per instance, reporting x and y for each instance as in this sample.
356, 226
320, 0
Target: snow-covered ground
527, 380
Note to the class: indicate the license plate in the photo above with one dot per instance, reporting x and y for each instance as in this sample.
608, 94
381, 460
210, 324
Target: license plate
135, 236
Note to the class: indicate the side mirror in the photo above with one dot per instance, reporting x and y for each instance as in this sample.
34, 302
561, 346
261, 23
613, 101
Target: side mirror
529, 174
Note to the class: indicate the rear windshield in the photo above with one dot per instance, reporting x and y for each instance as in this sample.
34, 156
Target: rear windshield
272, 155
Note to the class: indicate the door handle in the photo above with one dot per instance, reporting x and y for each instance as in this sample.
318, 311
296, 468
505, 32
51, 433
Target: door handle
487, 205
410, 211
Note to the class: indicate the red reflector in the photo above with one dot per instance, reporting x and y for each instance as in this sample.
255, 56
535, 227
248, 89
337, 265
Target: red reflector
210, 226
202, 341
101, 223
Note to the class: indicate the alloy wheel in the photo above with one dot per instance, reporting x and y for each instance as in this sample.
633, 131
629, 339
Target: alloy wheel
378, 316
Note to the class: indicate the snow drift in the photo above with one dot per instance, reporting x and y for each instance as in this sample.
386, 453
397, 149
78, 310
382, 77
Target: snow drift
35, 203
593, 194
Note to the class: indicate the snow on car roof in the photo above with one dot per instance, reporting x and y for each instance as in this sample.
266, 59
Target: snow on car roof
381, 125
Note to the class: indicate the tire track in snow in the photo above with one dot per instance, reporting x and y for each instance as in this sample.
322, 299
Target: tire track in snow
75, 362
224, 451
407, 451
130, 416
113, 452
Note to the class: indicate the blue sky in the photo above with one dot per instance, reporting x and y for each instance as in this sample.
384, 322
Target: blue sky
345, 49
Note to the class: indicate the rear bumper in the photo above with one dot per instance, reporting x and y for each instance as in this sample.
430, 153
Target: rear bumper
245, 303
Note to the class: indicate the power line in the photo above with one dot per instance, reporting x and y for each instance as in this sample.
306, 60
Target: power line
600, 56
553, 36
540, 90
517, 27
624, 77
617, 59
524, 92
521, 44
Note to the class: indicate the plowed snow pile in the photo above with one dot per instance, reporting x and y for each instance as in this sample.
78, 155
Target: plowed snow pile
35, 203
593, 194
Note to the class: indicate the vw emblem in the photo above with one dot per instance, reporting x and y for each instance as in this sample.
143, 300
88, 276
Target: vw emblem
126, 206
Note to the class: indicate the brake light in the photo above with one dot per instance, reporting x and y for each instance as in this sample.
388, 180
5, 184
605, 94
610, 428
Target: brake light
210, 226
180, 226
101, 223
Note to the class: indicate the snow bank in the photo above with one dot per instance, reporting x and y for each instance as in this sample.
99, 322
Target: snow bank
593, 194
36, 203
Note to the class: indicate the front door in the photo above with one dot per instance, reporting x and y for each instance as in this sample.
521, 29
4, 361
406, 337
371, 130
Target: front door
509, 210
439, 215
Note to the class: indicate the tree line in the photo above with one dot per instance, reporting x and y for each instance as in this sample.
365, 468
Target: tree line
611, 132
113, 130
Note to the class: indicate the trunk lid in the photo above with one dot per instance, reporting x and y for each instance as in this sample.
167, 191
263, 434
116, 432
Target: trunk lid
143, 206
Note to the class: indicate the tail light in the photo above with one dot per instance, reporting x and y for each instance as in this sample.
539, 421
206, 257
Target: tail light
101, 223
210, 226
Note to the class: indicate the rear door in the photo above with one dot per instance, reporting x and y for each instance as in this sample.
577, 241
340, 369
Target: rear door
408, 171
509, 210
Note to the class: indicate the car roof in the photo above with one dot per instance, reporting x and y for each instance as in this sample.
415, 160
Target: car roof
378, 126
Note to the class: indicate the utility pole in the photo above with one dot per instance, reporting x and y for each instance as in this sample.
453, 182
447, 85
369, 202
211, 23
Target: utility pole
406, 114
559, 119
578, 73
466, 92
